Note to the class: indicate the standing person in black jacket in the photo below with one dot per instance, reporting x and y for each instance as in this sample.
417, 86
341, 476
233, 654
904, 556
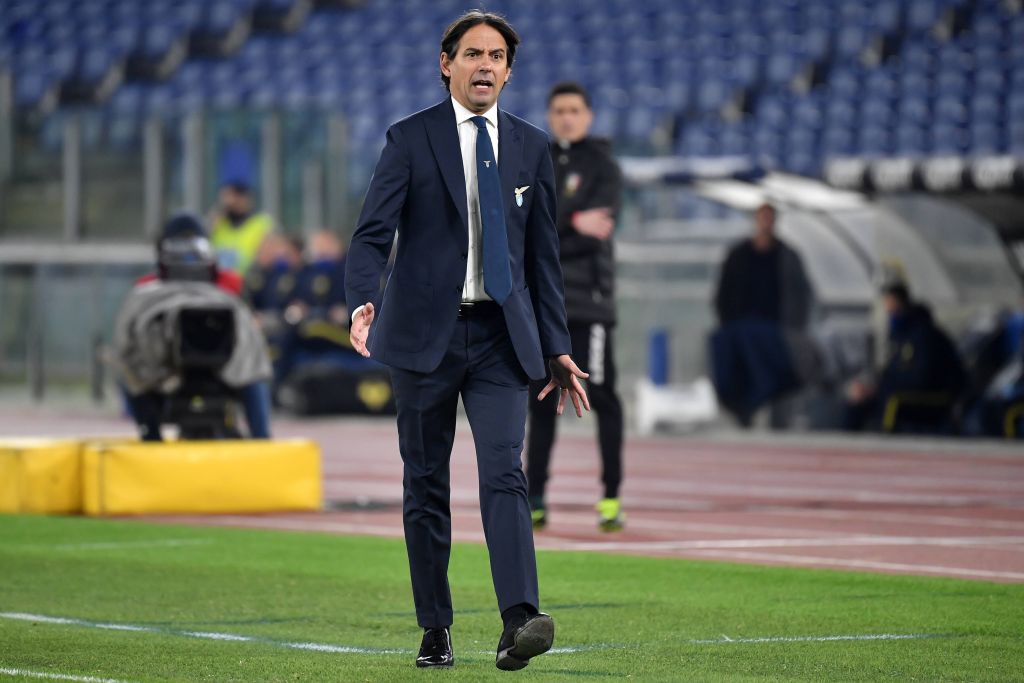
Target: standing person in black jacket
589, 186
763, 278
763, 303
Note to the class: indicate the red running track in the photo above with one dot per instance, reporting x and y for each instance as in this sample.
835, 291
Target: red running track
942, 508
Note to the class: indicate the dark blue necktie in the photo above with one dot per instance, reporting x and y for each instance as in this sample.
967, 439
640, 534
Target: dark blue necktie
497, 272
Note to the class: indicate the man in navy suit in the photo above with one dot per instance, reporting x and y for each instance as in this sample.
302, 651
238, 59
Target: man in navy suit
474, 307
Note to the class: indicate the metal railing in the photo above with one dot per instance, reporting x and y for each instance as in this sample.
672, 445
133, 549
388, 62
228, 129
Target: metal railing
98, 183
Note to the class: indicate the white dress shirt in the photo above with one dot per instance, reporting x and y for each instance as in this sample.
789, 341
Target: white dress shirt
473, 289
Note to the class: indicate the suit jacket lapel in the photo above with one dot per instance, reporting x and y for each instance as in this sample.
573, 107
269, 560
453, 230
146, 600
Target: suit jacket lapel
510, 158
444, 141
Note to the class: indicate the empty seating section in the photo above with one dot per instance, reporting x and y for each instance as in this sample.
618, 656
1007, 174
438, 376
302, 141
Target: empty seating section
787, 84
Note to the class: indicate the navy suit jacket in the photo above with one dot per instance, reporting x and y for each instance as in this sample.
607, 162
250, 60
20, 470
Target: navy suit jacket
419, 189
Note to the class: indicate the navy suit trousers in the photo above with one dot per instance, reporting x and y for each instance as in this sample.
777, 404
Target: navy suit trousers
481, 366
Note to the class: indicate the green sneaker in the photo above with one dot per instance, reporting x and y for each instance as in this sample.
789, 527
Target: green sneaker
538, 513
611, 517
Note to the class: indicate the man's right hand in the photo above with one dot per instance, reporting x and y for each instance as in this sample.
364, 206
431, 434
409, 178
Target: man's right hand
361, 329
597, 223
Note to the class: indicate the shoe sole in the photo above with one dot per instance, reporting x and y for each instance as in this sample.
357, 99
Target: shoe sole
535, 638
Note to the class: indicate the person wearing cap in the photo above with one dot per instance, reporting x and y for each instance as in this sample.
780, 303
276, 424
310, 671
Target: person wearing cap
238, 230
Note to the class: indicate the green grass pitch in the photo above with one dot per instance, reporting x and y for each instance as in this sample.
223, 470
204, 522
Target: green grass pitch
132, 601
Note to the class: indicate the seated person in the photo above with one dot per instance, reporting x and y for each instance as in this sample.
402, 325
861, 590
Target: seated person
270, 283
922, 379
155, 334
318, 371
317, 312
270, 286
997, 408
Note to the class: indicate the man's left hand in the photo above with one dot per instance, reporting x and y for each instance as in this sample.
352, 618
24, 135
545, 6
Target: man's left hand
565, 377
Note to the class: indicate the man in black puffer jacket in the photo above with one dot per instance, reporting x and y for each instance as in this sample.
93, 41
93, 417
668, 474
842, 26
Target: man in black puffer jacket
922, 379
589, 186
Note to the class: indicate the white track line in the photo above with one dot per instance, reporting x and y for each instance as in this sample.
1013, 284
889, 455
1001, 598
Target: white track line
571, 521
344, 649
861, 564
726, 640
234, 637
657, 486
26, 673
326, 525
202, 635
753, 543
923, 518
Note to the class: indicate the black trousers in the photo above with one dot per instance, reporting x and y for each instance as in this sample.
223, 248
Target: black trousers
594, 352
480, 365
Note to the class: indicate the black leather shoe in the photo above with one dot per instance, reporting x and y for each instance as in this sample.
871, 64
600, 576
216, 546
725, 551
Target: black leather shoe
524, 640
436, 649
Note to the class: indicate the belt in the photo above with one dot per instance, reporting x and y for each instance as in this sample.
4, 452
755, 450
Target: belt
475, 309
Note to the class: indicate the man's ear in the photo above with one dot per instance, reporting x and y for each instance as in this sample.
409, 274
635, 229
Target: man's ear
508, 75
445, 62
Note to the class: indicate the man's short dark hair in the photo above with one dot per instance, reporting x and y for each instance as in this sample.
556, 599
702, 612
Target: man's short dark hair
569, 88
453, 34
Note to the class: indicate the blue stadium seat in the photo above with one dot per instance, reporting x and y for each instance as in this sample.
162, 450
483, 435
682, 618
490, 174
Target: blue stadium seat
877, 111
911, 140
914, 109
875, 140
773, 111
921, 15
841, 112
838, 141
986, 107
948, 139
808, 112
986, 139
951, 109
735, 140
642, 61
30, 88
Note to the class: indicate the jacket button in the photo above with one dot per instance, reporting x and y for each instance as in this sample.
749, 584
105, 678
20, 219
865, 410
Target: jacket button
464, 255
459, 288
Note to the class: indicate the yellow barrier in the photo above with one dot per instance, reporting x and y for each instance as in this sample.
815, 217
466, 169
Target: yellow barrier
200, 477
40, 476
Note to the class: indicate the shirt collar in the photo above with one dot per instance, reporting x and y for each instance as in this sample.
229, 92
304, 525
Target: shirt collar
462, 114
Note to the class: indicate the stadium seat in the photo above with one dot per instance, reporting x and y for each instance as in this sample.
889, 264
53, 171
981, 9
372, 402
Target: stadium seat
936, 93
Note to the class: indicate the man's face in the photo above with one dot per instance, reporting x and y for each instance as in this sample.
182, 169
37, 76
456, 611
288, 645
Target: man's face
569, 117
479, 70
764, 223
893, 305
234, 201
325, 246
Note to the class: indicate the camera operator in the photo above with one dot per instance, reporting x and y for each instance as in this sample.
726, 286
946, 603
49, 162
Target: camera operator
146, 336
